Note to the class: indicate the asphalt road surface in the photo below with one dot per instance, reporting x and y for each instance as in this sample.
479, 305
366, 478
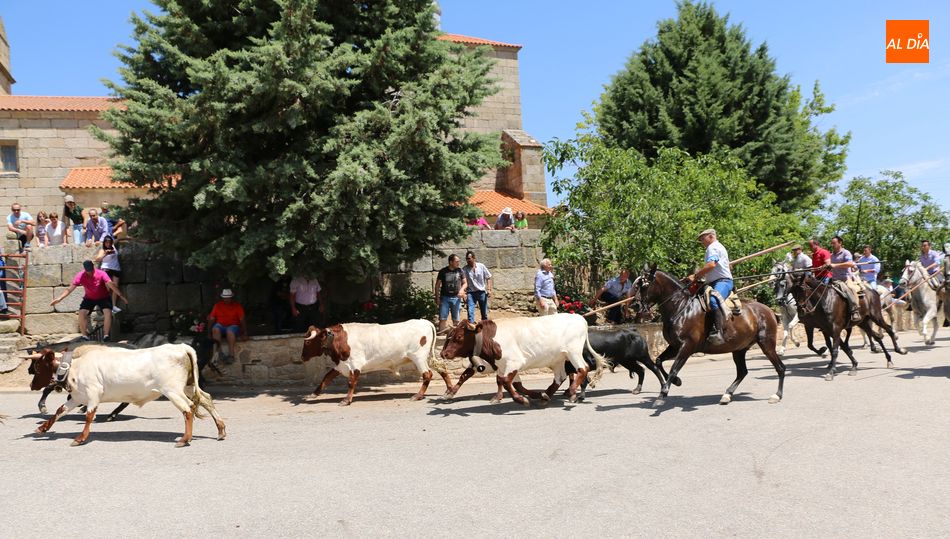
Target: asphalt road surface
862, 456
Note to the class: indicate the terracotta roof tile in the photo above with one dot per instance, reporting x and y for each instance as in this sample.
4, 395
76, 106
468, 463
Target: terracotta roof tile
492, 202
58, 103
92, 178
468, 40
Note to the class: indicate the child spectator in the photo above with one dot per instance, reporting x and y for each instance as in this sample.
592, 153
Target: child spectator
521, 220
41, 222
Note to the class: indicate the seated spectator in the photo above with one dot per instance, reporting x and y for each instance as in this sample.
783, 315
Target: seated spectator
505, 220
116, 224
108, 260
56, 231
96, 228
41, 222
521, 220
480, 223
21, 223
227, 316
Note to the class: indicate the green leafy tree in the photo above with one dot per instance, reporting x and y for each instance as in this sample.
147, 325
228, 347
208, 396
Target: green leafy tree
890, 216
622, 210
700, 86
299, 136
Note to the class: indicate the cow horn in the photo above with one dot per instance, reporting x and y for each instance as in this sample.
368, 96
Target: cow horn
312, 336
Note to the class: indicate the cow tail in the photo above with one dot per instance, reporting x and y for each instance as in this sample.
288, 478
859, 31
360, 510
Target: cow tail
198, 396
435, 362
599, 360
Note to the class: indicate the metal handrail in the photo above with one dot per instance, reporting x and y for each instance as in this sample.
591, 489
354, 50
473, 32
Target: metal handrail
22, 280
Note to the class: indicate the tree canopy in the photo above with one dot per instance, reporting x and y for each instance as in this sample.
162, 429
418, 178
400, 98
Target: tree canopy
889, 215
299, 136
701, 87
621, 210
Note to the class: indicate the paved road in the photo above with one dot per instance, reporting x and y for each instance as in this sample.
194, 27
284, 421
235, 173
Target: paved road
867, 455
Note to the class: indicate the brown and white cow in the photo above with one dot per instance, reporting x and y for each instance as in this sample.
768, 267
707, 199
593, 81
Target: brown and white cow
511, 345
107, 374
358, 348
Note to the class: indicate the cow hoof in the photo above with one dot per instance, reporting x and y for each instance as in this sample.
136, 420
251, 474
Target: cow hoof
890, 364
829, 377
345, 403
494, 400
77, 442
416, 397
780, 351
636, 390
42, 409
902, 351
774, 399
875, 350
660, 401
40, 430
182, 444
726, 399
853, 372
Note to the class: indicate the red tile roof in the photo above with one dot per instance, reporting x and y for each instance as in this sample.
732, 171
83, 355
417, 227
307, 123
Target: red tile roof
92, 178
493, 202
58, 103
468, 40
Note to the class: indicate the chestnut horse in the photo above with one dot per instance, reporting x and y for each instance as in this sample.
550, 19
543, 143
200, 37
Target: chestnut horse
821, 307
685, 329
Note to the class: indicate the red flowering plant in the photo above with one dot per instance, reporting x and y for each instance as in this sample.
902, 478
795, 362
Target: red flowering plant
572, 301
404, 303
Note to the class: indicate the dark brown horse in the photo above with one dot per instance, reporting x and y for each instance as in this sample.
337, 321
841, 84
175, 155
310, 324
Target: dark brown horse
819, 306
684, 327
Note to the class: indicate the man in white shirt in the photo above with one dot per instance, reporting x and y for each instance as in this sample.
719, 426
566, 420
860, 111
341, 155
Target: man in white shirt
305, 304
479, 286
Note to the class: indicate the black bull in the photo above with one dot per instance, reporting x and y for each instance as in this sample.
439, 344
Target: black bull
625, 347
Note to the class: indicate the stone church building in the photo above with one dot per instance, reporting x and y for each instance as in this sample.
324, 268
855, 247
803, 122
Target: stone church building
47, 150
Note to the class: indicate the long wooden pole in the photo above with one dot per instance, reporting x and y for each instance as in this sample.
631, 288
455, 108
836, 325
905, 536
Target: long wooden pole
760, 253
753, 285
926, 278
905, 293
621, 302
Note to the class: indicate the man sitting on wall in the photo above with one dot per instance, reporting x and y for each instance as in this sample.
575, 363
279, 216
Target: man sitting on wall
21, 223
227, 316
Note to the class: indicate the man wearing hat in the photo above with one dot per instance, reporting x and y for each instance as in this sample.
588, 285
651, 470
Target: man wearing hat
227, 316
797, 260
505, 221
719, 277
98, 289
72, 212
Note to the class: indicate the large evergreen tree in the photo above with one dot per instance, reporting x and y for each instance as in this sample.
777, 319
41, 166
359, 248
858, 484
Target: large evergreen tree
701, 87
299, 136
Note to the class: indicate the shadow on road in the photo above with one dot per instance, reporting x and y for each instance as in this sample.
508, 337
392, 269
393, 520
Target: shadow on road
938, 371
683, 403
112, 437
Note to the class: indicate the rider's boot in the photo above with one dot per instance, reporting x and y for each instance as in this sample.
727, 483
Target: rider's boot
855, 313
715, 336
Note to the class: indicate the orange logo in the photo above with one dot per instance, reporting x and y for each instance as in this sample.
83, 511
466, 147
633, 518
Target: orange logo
908, 42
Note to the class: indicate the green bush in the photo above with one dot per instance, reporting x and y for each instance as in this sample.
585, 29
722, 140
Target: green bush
406, 303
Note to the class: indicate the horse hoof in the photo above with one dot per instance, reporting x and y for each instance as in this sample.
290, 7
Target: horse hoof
726, 399
774, 399
42, 409
660, 401
875, 350
525, 402
676, 381
902, 351
822, 350
829, 377
545, 397
636, 391
853, 372
890, 364
110, 418
780, 351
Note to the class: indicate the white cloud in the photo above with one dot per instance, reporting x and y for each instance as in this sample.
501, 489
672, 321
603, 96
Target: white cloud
896, 82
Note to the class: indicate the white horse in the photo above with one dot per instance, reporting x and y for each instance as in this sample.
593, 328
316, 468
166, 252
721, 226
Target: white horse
924, 300
782, 286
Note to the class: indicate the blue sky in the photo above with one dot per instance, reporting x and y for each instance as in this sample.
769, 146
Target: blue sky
899, 114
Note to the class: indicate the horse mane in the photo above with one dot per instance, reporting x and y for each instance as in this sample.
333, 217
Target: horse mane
672, 279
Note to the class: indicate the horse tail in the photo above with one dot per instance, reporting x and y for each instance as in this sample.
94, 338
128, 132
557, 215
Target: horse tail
599, 360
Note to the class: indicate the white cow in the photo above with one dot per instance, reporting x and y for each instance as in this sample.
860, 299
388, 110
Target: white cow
358, 348
107, 374
515, 344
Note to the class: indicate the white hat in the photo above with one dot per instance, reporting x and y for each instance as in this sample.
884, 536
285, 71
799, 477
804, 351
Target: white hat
507, 210
69, 198
227, 293
707, 231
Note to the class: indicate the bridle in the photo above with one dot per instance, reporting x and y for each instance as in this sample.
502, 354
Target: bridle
646, 283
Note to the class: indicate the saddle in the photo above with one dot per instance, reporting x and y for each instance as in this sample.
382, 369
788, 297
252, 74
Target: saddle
730, 304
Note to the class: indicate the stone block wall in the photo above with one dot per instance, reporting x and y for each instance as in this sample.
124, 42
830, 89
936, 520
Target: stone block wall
513, 259
48, 145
